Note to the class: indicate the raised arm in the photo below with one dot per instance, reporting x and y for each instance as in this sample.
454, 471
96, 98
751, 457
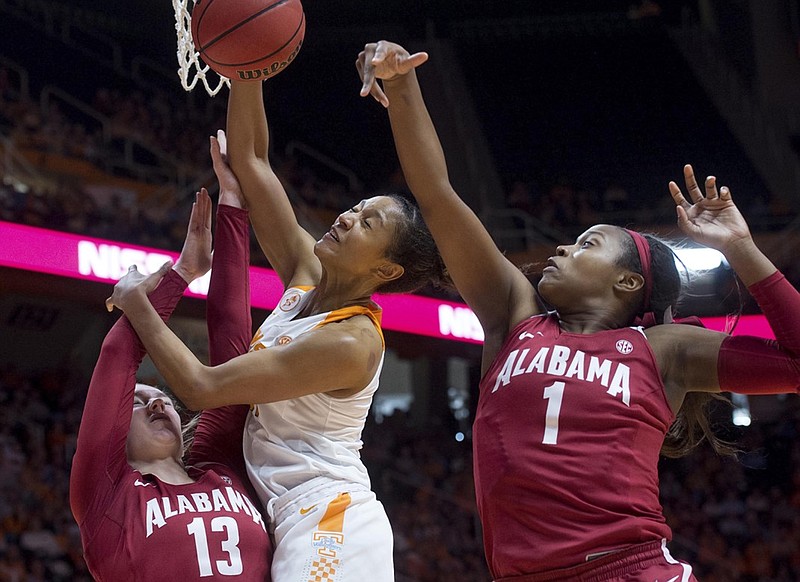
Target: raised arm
229, 321
218, 436
100, 458
287, 246
338, 358
703, 360
498, 293
711, 218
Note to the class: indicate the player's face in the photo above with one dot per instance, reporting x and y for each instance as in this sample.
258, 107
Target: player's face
155, 430
582, 274
360, 237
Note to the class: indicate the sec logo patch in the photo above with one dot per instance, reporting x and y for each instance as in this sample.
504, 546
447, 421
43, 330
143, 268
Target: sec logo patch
624, 347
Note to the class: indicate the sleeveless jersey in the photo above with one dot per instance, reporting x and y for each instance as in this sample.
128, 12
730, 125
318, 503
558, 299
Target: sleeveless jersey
290, 442
566, 438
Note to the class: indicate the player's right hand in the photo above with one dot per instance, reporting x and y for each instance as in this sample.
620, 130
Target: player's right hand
134, 286
384, 60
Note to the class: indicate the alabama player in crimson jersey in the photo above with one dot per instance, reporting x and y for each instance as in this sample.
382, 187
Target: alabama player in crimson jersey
144, 513
577, 403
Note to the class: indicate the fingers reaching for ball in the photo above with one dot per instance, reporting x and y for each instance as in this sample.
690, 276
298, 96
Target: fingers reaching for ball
386, 61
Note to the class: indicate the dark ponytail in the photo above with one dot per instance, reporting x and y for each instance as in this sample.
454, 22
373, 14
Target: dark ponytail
414, 249
691, 425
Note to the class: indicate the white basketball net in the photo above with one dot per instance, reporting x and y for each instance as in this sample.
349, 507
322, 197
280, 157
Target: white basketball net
192, 69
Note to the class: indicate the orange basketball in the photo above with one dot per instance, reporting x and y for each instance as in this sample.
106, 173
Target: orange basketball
248, 40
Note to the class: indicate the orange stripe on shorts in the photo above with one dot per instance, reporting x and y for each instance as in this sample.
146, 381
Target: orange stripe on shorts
333, 520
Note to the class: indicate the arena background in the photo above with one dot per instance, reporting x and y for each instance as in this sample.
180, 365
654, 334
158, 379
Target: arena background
554, 115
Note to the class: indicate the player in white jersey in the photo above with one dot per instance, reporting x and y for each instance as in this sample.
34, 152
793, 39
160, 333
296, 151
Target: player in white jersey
303, 459
314, 364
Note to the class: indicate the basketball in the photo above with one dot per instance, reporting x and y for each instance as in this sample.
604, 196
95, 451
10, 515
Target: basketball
248, 40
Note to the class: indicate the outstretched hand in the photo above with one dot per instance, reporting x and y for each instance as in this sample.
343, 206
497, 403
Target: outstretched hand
195, 258
384, 60
230, 191
135, 286
711, 218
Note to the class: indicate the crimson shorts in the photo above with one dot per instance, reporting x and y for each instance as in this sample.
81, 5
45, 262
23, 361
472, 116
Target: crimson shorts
650, 562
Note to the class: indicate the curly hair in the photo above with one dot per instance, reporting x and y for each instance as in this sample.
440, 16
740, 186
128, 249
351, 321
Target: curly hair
414, 249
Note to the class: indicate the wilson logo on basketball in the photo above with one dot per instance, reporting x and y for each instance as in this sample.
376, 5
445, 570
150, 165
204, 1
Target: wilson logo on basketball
248, 40
268, 71
624, 347
283, 340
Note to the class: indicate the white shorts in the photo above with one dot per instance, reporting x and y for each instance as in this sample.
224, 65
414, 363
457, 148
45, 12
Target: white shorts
331, 532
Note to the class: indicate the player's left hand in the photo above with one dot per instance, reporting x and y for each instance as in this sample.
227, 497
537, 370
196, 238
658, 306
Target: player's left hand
230, 191
384, 60
711, 218
135, 286
195, 258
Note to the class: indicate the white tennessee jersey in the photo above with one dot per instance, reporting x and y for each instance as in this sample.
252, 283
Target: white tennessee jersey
290, 442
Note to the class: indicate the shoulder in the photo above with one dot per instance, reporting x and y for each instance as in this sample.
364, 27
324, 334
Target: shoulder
357, 331
686, 354
672, 336
350, 349
348, 340
292, 297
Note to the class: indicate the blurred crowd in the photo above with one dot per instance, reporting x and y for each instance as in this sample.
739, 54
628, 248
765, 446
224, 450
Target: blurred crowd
734, 519
571, 207
67, 202
39, 539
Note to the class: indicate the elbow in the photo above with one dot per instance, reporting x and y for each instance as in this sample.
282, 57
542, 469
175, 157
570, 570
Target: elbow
239, 160
193, 403
196, 392
197, 399
248, 163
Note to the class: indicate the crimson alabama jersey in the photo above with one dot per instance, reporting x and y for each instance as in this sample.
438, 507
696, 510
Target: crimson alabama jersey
135, 527
566, 438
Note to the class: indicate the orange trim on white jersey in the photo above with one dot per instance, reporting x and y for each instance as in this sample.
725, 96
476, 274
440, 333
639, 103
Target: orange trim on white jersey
347, 312
318, 435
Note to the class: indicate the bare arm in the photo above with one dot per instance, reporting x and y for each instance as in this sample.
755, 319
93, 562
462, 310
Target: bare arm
700, 360
712, 219
687, 359
494, 288
287, 246
339, 358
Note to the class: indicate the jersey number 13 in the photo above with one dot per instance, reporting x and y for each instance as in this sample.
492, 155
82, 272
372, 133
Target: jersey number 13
197, 529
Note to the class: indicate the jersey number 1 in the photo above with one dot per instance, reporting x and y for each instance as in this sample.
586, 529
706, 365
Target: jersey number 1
553, 394
197, 529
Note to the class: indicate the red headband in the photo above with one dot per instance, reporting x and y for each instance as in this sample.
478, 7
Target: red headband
643, 248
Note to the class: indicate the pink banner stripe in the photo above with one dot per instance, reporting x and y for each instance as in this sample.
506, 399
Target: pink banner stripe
69, 255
